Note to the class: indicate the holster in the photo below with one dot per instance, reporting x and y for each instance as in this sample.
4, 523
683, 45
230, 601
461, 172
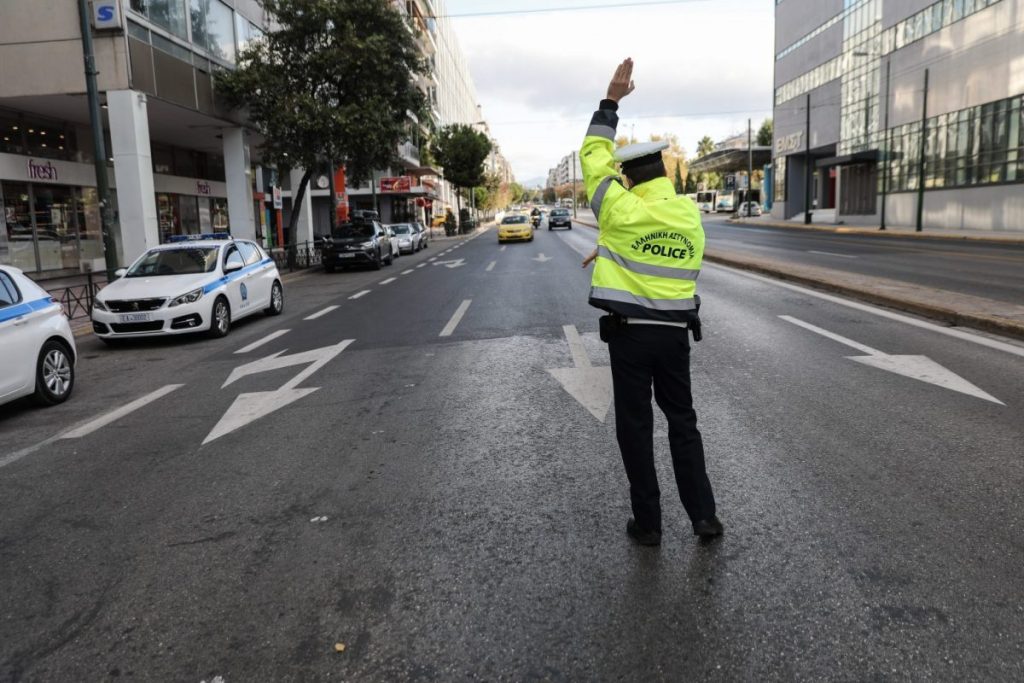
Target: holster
610, 326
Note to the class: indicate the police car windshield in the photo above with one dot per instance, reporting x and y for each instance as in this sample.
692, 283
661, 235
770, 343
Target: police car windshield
509, 220
356, 230
183, 261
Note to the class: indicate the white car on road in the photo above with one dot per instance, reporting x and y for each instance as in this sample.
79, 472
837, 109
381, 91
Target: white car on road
37, 349
189, 285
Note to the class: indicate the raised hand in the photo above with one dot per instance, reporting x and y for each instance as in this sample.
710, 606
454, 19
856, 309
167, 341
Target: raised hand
622, 82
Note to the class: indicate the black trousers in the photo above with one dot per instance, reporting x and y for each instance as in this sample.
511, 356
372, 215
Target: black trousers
643, 355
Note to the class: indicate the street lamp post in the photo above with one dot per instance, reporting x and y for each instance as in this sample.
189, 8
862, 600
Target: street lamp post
99, 146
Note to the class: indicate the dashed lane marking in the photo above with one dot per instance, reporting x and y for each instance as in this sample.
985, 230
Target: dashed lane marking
422, 265
503, 247
114, 415
432, 258
406, 272
491, 266
359, 295
388, 281
456, 319
260, 342
320, 314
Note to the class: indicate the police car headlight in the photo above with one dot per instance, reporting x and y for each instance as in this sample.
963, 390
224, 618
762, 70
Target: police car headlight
99, 305
190, 298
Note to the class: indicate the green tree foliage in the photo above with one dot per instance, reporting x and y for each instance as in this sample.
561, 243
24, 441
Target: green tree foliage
679, 179
516, 193
549, 195
333, 83
461, 151
764, 135
705, 147
691, 183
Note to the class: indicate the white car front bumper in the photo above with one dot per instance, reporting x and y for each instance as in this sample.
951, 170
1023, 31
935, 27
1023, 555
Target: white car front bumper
183, 319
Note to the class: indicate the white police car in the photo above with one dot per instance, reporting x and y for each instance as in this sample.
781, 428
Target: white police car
37, 349
196, 283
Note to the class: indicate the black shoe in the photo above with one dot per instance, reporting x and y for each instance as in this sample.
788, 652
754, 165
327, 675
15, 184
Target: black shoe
708, 528
641, 536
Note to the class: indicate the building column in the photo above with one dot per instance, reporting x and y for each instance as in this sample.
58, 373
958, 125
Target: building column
304, 224
236, 172
133, 173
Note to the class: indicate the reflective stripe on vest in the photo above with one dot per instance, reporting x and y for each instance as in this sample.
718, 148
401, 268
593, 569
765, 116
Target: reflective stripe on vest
601, 131
625, 297
599, 193
646, 268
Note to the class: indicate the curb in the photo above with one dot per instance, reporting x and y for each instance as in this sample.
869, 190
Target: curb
875, 232
876, 295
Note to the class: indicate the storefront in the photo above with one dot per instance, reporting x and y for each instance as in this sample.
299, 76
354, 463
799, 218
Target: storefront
50, 222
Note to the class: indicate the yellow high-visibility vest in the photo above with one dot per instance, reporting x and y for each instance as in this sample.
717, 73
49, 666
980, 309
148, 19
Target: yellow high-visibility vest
650, 241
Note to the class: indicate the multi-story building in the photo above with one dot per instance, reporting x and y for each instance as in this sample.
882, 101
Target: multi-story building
179, 163
568, 168
900, 112
452, 99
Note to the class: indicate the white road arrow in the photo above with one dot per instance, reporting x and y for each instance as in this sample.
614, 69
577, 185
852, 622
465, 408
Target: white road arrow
248, 408
542, 258
591, 386
458, 263
921, 368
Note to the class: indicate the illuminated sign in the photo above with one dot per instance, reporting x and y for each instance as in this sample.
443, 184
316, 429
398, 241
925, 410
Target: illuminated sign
106, 14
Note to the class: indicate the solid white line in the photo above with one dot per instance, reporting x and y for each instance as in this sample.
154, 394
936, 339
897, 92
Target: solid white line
833, 336
882, 313
829, 253
388, 281
114, 415
491, 267
320, 314
406, 272
456, 319
266, 340
579, 353
361, 294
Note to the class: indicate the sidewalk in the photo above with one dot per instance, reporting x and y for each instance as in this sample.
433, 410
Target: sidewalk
892, 231
951, 307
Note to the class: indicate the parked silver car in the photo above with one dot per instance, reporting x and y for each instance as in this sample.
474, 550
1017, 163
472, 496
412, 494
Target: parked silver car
424, 234
408, 239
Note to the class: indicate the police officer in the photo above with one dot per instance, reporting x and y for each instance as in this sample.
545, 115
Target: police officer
649, 251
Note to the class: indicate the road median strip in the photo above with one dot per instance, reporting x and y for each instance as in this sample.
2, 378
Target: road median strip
950, 307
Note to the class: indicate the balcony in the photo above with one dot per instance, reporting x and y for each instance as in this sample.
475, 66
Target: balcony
409, 154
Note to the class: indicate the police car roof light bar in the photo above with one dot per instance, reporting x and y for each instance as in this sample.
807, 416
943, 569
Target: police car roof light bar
196, 238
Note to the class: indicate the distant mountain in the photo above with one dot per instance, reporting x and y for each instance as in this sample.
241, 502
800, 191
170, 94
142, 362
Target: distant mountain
535, 183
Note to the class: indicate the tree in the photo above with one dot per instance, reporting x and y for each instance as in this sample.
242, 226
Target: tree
549, 195
679, 180
333, 84
461, 151
705, 147
516, 192
764, 135
691, 183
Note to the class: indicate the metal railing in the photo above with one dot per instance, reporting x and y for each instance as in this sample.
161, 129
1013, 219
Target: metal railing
77, 299
297, 256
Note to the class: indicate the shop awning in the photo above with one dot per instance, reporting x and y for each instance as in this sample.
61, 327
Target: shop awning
865, 157
730, 160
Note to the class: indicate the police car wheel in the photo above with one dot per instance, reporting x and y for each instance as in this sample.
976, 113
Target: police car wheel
276, 300
55, 374
220, 318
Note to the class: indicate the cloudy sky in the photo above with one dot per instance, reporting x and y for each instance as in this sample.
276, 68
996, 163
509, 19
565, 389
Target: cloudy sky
702, 68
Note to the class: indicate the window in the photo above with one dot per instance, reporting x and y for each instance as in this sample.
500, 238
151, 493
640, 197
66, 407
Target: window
8, 291
249, 252
233, 259
213, 28
169, 15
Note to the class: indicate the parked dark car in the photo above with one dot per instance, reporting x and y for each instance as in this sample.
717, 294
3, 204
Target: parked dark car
361, 243
560, 218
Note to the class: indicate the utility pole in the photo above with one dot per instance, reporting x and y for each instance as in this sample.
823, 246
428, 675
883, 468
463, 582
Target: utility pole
807, 164
750, 162
886, 161
921, 165
574, 183
99, 147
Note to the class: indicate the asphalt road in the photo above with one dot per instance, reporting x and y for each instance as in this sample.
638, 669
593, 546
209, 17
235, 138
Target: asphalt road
989, 270
445, 509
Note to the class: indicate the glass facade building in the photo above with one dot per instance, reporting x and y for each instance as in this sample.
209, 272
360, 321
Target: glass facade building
899, 108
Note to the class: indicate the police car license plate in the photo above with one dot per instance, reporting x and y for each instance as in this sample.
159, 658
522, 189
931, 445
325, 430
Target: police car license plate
136, 318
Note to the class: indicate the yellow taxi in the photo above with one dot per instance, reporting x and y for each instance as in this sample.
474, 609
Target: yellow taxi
516, 227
